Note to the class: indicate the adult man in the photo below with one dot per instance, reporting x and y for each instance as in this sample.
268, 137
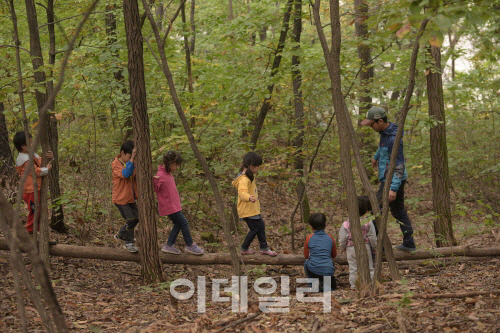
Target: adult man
376, 118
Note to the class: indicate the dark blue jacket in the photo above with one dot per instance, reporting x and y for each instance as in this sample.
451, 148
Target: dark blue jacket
319, 249
383, 156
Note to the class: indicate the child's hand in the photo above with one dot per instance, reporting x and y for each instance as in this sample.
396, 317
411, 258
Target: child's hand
252, 199
49, 155
156, 177
49, 165
134, 151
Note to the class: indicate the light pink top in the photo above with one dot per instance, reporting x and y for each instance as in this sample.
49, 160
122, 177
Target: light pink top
166, 190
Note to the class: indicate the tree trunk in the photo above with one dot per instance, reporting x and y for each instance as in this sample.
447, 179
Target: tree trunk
201, 159
6, 160
57, 217
382, 227
364, 55
298, 142
230, 10
332, 58
443, 229
187, 53
151, 269
116, 254
193, 27
266, 105
41, 98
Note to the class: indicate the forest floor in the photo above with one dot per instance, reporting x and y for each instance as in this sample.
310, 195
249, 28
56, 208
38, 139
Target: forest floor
107, 296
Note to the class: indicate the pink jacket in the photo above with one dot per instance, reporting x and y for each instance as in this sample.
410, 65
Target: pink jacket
166, 190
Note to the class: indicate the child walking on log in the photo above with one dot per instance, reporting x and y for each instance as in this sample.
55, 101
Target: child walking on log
22, 161
124, 194
319, 250
369, 235
169, 204
249, 205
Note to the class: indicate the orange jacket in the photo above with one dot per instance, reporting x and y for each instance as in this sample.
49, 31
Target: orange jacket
124, 189
21, 165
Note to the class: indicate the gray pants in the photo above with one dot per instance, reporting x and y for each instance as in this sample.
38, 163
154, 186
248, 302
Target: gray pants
353, 267
130, 214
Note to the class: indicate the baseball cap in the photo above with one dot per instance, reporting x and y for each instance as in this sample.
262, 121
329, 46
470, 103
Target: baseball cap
375, 113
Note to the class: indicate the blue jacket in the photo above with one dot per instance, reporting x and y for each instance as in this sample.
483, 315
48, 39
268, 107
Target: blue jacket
383, 156
319, 249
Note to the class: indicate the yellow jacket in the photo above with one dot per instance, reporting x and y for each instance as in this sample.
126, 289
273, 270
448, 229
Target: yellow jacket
246, 188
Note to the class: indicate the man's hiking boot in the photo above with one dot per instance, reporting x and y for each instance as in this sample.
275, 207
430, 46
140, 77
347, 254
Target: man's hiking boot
406, 248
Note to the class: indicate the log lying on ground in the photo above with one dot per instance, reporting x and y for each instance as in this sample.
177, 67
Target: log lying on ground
115, 254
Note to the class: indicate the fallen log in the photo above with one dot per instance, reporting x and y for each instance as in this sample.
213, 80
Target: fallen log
116, 254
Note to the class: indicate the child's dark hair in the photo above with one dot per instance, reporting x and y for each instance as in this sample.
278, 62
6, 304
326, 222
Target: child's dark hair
127, 147
171, 157
20, 140
317, 221
250, 159
364, 205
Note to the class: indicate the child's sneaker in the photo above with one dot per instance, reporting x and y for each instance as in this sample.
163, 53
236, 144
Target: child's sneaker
249, 251
269, 253
170, 249
131, 248
194, 249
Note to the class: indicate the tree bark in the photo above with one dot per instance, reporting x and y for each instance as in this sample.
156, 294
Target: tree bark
187, 53
162, 62
298, 142
364, 55
332, 58
151, 269
193, 27
57, 217
443, 228
116, 254
6, 160
41, 98
266, 105
230, 10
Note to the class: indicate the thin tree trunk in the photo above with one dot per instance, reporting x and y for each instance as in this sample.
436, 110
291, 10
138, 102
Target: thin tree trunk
392, 165
41, 98
298, 142
266, 105
6, 160
332, 58
151, 269
364, 55
187, 53
193, 27
201, 159
57, 217
230, 10
443, 228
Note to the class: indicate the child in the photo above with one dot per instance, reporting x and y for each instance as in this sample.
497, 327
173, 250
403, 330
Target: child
319, 249
345, 240
124, 193
169, 204
21, 165
249, 205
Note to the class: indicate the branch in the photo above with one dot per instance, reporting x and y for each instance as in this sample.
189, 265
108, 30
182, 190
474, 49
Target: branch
171, 22
66, 18
20, 48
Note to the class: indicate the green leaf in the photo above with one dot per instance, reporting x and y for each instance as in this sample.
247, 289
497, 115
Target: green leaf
442, 21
